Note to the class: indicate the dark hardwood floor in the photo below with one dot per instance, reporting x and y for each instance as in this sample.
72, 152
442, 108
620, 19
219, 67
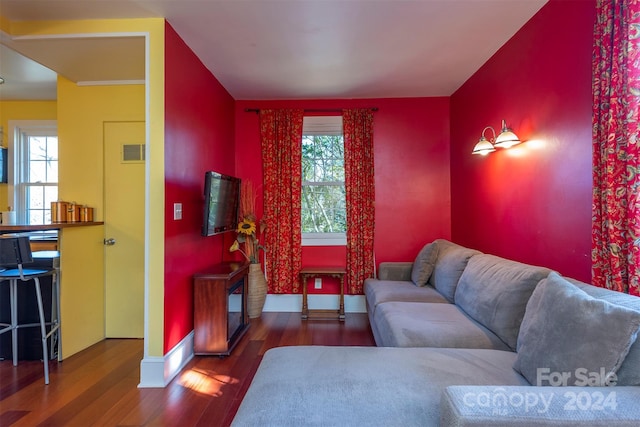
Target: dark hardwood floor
98, 386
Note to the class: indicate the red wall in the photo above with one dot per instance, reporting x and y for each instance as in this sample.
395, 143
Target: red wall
199, 136
531, 203
411, 146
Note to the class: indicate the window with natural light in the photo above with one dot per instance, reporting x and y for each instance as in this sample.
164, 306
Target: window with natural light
35, 177
324, 218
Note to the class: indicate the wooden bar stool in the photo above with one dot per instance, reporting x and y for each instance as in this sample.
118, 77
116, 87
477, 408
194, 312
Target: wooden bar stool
15, 252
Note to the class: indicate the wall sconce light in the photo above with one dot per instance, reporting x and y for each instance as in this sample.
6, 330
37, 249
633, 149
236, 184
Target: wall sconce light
506, 139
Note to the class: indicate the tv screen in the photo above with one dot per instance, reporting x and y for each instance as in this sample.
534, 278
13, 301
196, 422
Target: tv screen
3, 165
221, 200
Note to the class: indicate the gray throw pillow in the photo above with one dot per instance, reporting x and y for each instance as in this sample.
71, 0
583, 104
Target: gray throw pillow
451, 262
629, 372
570, 338
424, 264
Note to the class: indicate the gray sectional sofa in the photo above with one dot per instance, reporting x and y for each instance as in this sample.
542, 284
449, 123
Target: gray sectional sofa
464, 339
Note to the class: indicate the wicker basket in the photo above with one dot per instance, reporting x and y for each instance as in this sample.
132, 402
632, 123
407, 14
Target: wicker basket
257, 291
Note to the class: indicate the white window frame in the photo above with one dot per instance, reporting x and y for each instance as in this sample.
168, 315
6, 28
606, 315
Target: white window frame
17, 157
323, 125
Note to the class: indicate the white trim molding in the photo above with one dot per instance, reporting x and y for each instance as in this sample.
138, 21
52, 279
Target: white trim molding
324, 239
78, 35
110, 82
158, 372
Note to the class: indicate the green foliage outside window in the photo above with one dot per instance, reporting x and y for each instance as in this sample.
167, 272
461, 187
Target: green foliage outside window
323, 193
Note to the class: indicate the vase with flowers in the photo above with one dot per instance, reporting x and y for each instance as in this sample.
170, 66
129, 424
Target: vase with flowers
248, 244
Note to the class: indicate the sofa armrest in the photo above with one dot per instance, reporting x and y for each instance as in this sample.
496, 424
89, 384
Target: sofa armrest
539, 406
395, 271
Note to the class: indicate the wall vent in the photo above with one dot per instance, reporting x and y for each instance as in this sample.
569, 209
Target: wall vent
133, 153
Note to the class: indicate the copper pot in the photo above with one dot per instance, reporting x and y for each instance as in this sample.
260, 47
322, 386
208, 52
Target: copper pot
73, 213
86, 214
59, 211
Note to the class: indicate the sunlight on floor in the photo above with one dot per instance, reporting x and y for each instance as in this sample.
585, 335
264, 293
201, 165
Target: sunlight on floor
205, 382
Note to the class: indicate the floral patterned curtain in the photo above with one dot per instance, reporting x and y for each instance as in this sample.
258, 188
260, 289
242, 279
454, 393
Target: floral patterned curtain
616, 160
360, 195
281, 138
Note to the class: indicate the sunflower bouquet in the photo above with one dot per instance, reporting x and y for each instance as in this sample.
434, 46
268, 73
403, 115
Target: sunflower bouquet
247, 229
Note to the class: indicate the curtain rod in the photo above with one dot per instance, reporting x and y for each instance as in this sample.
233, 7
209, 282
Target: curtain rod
313, 110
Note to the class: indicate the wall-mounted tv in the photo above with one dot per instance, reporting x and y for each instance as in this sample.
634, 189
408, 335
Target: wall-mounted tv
221, 200
3, 165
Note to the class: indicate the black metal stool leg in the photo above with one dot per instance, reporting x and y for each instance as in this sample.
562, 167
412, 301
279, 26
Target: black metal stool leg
56, 282
54, 317
13, 296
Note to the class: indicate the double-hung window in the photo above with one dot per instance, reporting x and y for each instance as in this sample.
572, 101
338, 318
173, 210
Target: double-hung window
324, 218
35, 170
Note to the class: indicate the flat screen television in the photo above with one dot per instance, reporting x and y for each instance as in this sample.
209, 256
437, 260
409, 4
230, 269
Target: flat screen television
221, 201
3, 165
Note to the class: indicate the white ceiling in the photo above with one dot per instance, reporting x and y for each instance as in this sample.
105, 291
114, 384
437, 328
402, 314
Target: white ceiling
280, 49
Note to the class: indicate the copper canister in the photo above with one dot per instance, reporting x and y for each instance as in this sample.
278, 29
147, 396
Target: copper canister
59, 211
73, 213
86, 214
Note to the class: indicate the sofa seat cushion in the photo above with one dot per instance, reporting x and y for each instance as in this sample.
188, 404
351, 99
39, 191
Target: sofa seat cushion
364, 386
513, 406
495, 291
379, 291
409, 324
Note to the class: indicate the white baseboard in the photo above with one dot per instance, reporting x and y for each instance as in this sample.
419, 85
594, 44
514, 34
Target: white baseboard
292, 303
157, 372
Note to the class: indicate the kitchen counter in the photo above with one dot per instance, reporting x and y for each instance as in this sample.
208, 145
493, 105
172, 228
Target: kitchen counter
22, 228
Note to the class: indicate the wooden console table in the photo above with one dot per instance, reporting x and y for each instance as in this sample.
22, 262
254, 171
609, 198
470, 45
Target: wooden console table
309, 272
220, 315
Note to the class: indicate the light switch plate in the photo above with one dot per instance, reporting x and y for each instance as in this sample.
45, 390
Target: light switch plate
177, 211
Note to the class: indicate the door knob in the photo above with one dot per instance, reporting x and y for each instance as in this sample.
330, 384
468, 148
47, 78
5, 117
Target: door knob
110, 242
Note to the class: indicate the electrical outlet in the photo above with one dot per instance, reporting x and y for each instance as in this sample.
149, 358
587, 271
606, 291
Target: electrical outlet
318, 283
177, 211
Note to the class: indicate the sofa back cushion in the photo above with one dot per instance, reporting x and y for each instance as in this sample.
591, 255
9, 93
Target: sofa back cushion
494, 291
450, 263
629, 372
567, 331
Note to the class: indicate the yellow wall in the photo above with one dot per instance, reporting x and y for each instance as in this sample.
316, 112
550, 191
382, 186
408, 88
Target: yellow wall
5, 24
25, 110
22, 110
81, 183
154, 338
82, 111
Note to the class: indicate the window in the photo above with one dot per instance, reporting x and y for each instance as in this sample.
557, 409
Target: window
324, 220
35, 174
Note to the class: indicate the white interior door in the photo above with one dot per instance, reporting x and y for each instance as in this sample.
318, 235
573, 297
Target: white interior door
124, 228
